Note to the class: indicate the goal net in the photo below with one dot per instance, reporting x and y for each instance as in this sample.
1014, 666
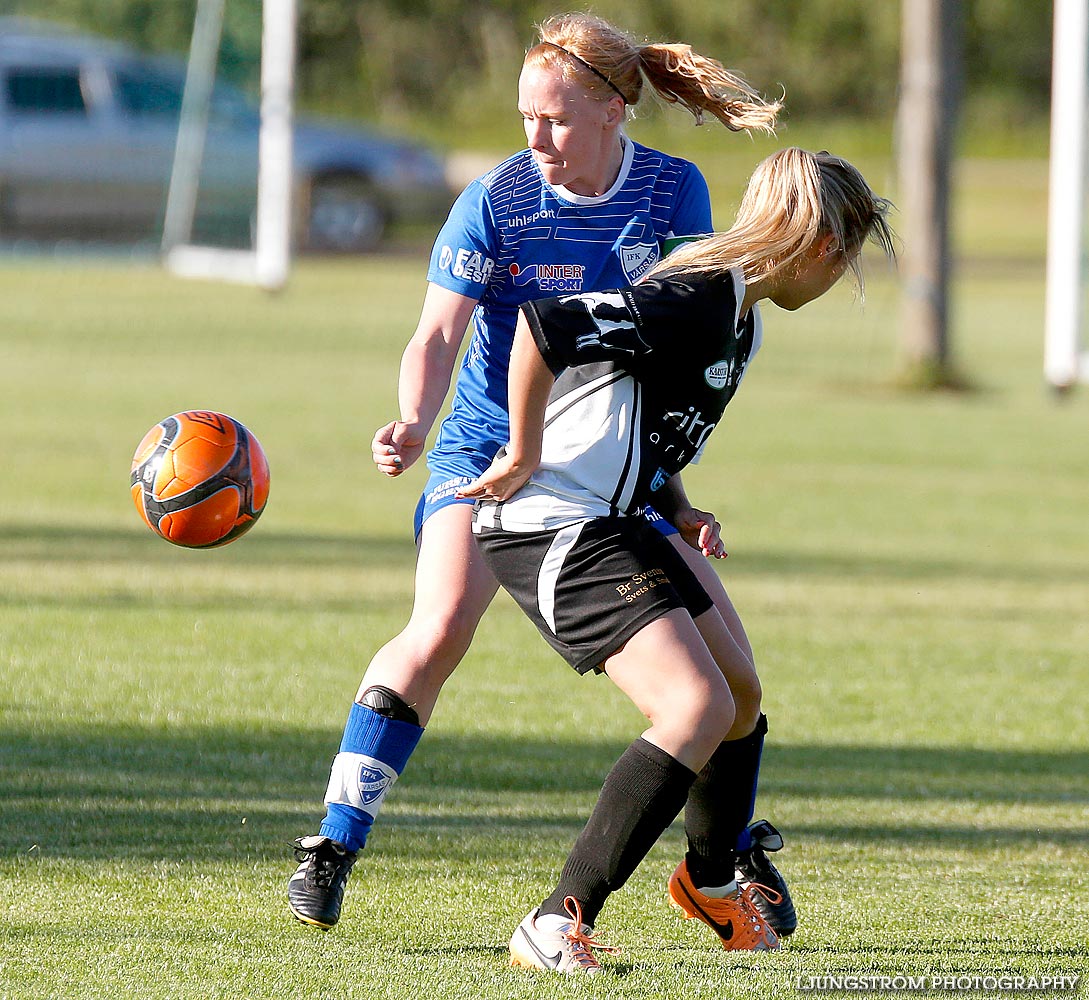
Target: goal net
266, 262
1066, 360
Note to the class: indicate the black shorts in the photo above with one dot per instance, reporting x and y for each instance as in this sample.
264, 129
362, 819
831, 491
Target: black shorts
590, 587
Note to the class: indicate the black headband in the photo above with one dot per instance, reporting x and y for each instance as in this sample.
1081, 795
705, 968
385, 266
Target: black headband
592, 69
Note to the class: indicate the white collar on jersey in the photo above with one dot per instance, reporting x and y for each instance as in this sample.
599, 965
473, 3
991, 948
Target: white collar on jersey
625, 169
757, 320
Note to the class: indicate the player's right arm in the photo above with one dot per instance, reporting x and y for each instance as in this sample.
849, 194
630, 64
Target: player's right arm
461, 265
427, 367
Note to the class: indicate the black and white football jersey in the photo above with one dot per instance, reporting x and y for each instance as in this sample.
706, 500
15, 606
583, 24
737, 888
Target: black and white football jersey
643, 376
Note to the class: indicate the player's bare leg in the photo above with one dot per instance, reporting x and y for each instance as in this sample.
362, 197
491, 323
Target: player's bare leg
453, 590
395, 700
724, 795
707, 575
667, 671
689, 708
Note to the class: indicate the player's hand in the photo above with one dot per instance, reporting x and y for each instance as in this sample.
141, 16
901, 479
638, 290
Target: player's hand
396, 446
501, 481
700, 530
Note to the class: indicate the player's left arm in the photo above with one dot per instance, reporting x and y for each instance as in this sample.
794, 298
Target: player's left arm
699, 528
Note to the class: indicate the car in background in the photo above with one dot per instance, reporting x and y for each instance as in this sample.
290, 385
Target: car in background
88, 129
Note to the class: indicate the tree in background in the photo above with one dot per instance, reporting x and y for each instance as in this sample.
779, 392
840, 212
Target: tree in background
438, 64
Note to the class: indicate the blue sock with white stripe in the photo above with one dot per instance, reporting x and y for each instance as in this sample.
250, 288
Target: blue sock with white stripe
373, 753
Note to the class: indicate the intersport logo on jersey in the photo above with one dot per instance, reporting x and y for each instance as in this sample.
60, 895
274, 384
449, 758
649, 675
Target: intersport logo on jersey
550, 277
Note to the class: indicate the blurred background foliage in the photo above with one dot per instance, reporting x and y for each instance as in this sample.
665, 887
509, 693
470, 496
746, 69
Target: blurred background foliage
446, 69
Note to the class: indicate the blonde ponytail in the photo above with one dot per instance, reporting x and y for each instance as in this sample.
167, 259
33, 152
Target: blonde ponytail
682, 76
607, 61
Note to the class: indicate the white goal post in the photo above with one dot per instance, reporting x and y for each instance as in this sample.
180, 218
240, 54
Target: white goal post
268, 263
1065, 360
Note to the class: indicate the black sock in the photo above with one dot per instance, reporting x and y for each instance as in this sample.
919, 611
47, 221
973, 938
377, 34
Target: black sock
641, 796
720, 805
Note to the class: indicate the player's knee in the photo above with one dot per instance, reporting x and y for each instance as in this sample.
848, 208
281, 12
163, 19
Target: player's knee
747, 695
442, 636
712, 714
389, 703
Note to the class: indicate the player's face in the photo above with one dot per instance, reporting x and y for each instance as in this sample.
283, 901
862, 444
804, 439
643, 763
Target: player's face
574, 137
817, 273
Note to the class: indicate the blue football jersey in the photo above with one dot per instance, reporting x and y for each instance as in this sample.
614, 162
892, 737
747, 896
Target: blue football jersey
511, 237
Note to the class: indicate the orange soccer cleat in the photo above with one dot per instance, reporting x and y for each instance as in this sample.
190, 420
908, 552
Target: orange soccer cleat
735, 919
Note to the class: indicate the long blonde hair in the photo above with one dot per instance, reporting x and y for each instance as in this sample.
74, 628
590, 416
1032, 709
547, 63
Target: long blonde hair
794, 198
607, 61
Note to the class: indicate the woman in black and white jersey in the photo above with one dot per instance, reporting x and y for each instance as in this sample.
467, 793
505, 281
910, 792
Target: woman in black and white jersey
612, 394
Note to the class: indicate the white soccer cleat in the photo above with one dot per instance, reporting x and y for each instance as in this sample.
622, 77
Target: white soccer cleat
568, 948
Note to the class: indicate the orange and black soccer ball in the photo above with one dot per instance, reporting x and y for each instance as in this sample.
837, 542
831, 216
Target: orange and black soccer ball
199, 479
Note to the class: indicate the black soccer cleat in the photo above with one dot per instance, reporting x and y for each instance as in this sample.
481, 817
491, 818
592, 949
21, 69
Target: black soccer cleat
753, 867
315, 891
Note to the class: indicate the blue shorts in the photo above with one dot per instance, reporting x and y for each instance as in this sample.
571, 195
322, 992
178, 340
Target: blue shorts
449, 472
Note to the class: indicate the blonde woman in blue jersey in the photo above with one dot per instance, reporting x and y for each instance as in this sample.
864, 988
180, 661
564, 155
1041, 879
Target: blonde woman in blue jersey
601, 386
584, 207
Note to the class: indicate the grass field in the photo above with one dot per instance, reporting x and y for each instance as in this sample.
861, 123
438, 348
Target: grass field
912, 571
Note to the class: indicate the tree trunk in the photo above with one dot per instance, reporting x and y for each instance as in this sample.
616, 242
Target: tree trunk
926, 117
